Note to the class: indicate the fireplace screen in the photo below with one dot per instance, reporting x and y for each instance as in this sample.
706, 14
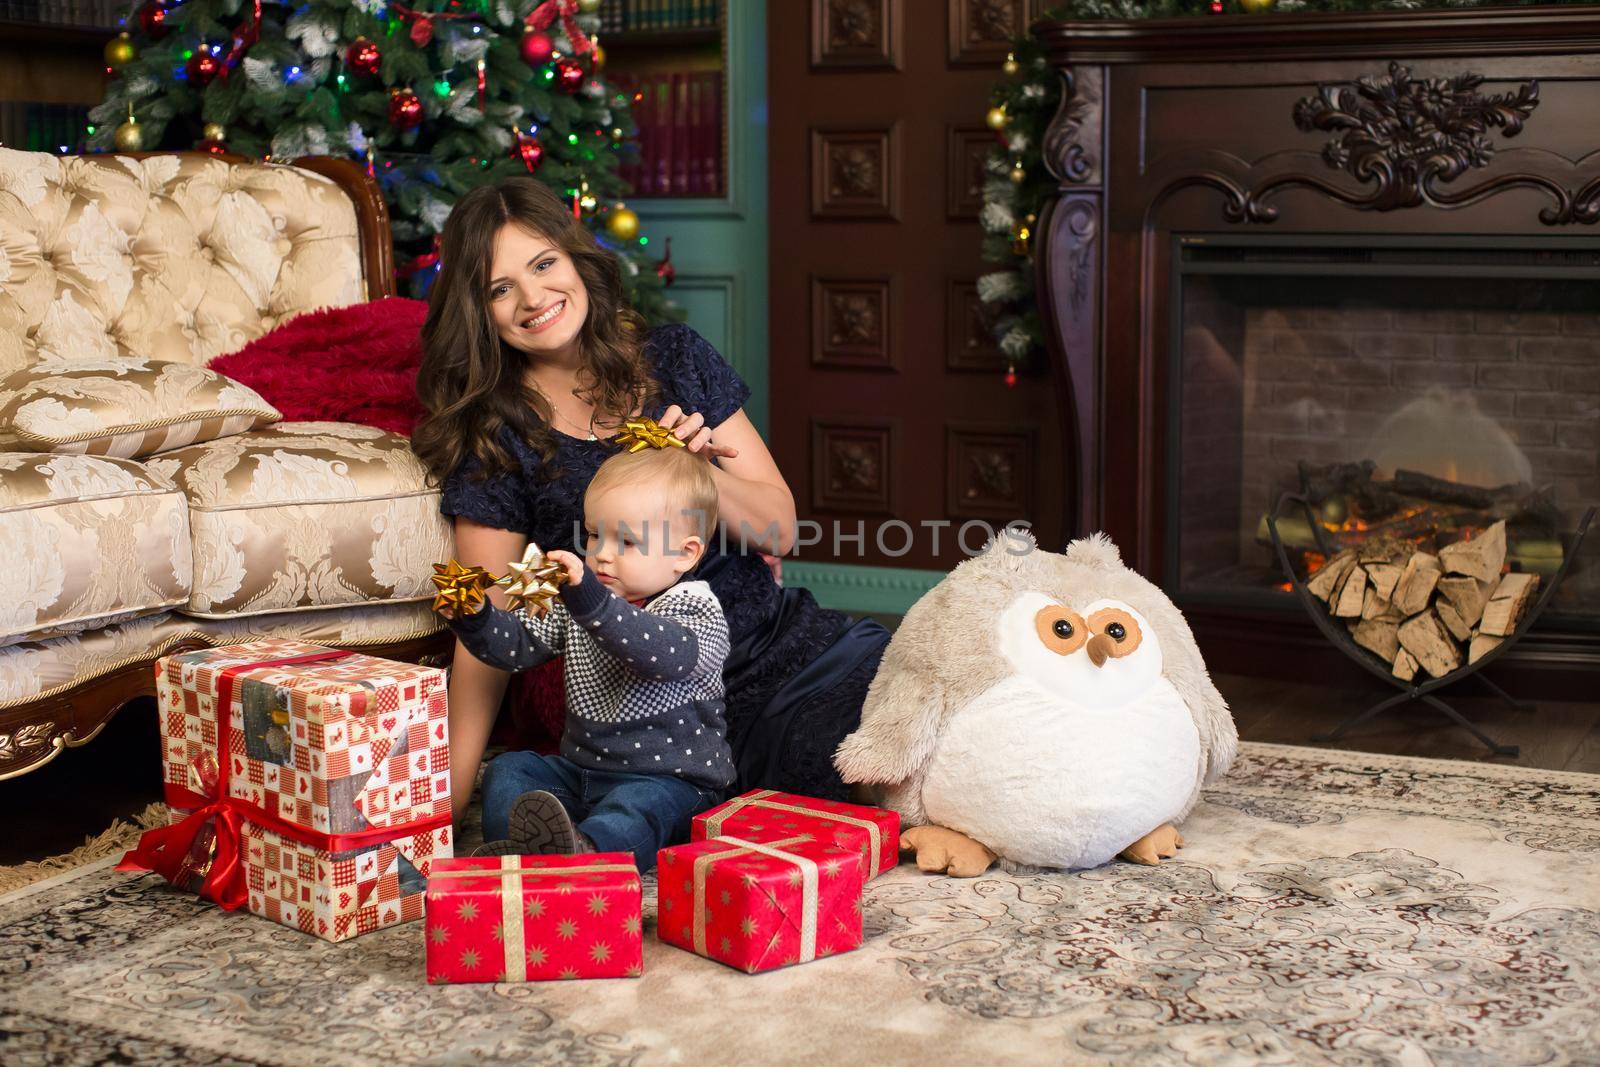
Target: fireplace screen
1419, 392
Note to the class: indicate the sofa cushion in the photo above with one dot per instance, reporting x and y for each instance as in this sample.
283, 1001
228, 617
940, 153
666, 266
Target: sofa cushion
84, 541
171, 257
43, 668
126, 408
307, 515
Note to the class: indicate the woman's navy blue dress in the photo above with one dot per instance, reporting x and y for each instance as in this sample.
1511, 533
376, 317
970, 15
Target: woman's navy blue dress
797, 673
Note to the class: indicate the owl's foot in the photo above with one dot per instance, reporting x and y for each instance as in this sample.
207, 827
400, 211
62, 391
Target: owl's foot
941, 850
1159, 844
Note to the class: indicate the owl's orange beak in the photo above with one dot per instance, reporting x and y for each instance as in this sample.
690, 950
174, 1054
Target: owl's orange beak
1099, 649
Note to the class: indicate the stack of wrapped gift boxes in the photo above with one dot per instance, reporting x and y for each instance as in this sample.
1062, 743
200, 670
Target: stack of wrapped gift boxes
312, 787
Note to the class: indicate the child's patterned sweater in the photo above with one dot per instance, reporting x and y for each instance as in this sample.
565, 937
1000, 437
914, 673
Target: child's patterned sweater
644, 685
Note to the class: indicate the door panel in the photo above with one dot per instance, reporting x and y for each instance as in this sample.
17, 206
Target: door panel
889, 399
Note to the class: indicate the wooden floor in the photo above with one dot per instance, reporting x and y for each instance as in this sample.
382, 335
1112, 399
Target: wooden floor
51, 810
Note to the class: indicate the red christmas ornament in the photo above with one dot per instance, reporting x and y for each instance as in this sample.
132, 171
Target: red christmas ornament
153, 20
569, 74
216, 148
529, 150
363, 57
1216, 7
665, 270
1011, 376
536, 47
203, 67
405, 110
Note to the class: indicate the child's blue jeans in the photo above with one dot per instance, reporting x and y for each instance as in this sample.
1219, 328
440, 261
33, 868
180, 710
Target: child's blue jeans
619, 812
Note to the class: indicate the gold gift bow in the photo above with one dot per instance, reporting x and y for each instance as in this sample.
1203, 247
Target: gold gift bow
808, 890
644, 432
512, 936
734, 806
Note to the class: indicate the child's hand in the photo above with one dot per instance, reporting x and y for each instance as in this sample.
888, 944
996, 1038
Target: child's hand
569, 563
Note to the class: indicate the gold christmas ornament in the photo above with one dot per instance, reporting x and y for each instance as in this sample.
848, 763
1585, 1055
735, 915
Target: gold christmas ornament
1256, 7
1010, 67
215, 131
997, 118
645, 432
461, 589
624, 222
588, 7
119, 51
1017, 175
129, 137
534, 582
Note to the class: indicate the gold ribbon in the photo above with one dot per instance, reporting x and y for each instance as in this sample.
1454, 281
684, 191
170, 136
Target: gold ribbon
759, 800
513, 941
808, 888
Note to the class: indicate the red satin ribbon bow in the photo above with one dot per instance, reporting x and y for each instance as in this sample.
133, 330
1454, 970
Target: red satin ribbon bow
167, 850
542, 16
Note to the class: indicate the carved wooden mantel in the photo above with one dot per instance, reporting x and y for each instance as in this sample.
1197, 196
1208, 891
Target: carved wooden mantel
1470, 121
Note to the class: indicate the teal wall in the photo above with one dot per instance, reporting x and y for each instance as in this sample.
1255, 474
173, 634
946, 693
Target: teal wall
720, 246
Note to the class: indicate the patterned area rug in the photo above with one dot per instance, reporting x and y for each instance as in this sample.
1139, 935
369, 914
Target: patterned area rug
1331, 908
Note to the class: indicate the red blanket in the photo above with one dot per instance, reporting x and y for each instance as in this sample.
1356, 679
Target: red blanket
350, 364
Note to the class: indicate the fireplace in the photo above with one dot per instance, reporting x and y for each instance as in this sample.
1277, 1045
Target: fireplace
1351, 255
1412, 390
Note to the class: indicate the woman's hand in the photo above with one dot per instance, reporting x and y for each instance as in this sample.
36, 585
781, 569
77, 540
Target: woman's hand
569, 563
693, 432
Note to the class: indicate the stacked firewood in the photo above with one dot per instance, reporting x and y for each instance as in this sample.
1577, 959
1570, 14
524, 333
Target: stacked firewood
1420, 611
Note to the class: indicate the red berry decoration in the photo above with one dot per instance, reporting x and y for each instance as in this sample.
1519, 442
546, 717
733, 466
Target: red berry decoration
569, 74
536, 47
530, 151
363, 57
153, 20
405, 110
203, 67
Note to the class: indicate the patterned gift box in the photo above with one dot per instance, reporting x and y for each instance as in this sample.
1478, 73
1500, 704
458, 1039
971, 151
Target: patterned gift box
767, 815
535, 918
760, 905
323, 802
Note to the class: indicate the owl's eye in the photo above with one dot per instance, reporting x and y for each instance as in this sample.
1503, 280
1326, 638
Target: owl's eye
1060, 630
1121, 627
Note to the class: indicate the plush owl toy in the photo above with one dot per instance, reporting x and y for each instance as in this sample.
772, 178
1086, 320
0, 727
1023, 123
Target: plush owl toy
1052, 710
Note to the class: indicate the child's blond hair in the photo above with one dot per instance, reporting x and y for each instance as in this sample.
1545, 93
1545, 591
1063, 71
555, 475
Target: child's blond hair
684, 475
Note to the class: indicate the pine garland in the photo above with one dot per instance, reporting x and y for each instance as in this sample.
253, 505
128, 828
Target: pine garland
1030, 98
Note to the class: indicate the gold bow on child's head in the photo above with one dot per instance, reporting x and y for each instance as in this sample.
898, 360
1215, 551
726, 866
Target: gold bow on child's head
644, 432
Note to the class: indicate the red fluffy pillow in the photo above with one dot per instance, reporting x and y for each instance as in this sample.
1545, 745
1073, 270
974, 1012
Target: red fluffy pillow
350, 364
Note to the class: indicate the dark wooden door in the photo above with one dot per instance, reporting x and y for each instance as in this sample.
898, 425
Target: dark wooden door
888, 395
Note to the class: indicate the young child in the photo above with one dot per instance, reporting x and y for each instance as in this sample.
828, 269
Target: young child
645, 745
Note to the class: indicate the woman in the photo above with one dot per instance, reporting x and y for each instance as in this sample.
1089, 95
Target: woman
531, 361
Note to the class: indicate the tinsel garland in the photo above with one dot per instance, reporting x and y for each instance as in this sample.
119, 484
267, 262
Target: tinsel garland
1029, 98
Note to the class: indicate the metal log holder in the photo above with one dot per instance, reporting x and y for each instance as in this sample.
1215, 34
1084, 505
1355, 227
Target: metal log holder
1412, 691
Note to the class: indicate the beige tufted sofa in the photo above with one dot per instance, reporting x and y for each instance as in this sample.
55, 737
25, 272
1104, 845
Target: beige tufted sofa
318, 531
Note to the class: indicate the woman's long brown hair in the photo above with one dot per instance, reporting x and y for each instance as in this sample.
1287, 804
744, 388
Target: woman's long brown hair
471, 384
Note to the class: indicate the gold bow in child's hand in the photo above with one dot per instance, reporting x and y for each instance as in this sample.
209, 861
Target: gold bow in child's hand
460, 589
531, 584
534, 582
644, 432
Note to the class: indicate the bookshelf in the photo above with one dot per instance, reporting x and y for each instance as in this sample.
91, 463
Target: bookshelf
672, 57
51, 70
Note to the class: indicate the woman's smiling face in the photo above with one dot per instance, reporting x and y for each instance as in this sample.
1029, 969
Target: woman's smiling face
536, 298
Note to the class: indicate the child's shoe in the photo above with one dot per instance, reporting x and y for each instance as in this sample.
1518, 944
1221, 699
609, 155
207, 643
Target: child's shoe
540, 826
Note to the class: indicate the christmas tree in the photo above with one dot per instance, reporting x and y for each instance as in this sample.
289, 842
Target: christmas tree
434, 99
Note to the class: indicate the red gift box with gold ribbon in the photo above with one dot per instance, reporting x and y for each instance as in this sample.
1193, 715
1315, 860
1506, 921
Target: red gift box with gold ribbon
535, 918
757, 905
307, 784
767, 815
